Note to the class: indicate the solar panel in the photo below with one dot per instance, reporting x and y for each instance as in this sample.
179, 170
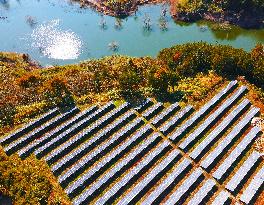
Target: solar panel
171, 177
220, 148
203, 192
169, 125
104, 178
254, 185
38, 131
241, 173
70, 144
63, 178
86, 146
30, 126
202, 147
230, 160
209, 120
222, 198
54, 132
177, 195
165, 114
72, 130
128, 175
139, 186
195, 118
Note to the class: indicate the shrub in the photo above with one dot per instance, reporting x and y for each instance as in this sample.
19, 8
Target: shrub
57, 93
243, 6
257, 55
120, 7
197, 88
7, 113
29, 181
80, 82
226, 60
158, 79
28, 80
29, 111
130, 80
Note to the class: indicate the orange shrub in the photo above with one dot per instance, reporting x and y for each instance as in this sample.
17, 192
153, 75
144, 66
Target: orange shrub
29, 79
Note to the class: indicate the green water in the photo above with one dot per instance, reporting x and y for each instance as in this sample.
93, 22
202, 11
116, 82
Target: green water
62, 33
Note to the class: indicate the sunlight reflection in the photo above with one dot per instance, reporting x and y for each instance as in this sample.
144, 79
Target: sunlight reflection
56, 43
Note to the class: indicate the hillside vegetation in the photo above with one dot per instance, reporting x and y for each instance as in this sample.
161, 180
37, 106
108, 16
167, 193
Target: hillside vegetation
185, 73
246, 13
188, 73
29, 181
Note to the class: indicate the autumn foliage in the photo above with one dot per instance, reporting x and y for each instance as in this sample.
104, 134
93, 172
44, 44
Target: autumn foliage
56, 92
225, 60
28, 91
29, 182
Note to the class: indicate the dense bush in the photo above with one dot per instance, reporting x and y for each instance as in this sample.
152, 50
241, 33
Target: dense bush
7, 114
257, 56
130, 80
246, 13
26, 112
193, 9
196, 90
119, 7
221, 5
247, 5
56, 92
29, 182
29, 80
160, 78
225, 60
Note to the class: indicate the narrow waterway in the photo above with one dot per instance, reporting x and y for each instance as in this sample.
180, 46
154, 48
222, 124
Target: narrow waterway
59, 32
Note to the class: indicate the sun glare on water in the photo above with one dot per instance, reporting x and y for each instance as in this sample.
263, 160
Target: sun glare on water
56, 43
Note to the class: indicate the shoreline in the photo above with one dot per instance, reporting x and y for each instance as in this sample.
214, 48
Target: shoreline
100, 7
247, 21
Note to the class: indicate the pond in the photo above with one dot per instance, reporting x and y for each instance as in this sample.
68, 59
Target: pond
59, 32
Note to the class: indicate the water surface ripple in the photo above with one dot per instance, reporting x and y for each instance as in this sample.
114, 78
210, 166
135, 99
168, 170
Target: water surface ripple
60, 32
